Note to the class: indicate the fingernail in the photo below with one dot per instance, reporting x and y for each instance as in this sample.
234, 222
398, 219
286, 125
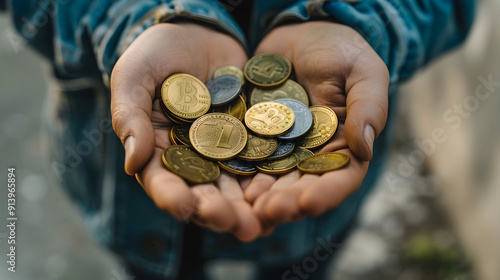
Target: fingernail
369, 135
129, 148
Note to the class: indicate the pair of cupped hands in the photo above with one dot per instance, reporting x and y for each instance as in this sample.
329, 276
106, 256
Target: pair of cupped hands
335, 65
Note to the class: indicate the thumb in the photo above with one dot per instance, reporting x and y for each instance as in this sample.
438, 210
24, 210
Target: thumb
132, 97
367, 103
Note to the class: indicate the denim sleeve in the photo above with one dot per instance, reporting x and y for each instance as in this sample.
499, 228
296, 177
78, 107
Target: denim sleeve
80, 35
407, 34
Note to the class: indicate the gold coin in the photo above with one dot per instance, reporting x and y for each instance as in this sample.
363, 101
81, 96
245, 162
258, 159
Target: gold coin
236, 108
186, 163
185, 96
302, 153
176, 119
171, 137
290, 89
244, 95
322, 163
269, 118
280, 166
230, 70
267, 70
325, 124
172, 117
258, 148
166, 113
181, 134
218, 136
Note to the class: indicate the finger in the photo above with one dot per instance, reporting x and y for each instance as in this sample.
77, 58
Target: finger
248, 226
332, 188
286, 180
229, 186
244, 182
367, 104
281, 183
260, 183
336, 143
282, 206
132, 93
213, 210
168, 191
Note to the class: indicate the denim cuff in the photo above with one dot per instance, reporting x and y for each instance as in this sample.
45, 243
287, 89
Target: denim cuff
304, 11
212, 13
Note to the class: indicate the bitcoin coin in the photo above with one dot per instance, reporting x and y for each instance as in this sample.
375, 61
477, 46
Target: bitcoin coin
218, 136
172, 138
238, 166
177, 119
303, 119
180, 134
267, 70
184, 162
289, 89
185, 96
302, 153
325, 124
284, 149
236, 108
258, 148
223, 89
324, 162
280, 166
269, 118
230, 70
170, 116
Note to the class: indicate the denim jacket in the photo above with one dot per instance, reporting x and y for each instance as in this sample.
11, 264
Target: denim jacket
84, 38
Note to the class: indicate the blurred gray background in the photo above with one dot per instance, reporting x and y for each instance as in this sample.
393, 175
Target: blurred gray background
438, 220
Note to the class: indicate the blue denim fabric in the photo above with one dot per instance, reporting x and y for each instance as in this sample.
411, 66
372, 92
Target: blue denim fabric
84, 38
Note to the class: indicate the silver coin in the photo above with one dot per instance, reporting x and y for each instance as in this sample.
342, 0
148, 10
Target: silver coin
284, 149
303, 119
223, 89
241, 167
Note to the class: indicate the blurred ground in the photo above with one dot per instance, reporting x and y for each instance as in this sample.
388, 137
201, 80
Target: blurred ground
439, 199
437, 219
52, 241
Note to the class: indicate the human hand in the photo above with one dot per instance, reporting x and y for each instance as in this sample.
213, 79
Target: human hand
338, 69
139, 122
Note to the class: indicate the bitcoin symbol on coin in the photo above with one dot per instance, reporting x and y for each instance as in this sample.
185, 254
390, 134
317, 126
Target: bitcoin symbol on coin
270, 118
187, 94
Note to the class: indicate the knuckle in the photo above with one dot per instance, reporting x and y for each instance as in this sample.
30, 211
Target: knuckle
162, 202
280, 205
310, 206
118, 116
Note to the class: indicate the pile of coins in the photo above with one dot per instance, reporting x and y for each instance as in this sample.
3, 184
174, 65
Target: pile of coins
213, 127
